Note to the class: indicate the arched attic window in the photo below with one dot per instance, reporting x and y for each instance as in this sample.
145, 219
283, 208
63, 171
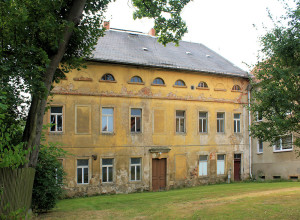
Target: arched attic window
202, 85
179, 83
108, 77
236, 88
158, 81
136, 79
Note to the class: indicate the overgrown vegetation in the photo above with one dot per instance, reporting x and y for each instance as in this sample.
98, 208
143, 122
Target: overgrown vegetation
49, 178
276, 87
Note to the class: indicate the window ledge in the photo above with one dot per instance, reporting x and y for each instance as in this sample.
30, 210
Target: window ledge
107, 133
181, 133
280, 151
136, 83
240, 91
175, 86
107, 81
220, 90
203, 133
56, 132
222, 133
163, 85
202, 88
136, 133
259, 153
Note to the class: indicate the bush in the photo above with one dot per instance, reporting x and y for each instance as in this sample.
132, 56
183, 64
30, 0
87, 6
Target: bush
49, 179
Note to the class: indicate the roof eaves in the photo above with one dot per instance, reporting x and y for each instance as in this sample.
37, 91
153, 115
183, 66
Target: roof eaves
245, 75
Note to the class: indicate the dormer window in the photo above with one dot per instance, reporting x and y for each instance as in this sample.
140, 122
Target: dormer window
179, 83
136, 79
236, 88
108, 77
202, 85
158, 81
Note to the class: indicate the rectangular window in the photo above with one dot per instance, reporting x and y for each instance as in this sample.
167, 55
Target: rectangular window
260, 146
135, 169
203, 122
83, 171
237, 123
107, 120
221, 164
107, 170
56, 119
285, 143
203, 165
259, 116
220, 122
136, 120
180, 121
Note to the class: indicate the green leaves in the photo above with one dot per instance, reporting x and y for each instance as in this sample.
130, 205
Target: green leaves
276, 88
168, 23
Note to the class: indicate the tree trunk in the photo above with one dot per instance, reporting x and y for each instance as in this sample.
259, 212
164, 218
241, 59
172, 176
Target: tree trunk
34, 123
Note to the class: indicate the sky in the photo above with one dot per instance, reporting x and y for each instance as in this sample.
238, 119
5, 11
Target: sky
229, 27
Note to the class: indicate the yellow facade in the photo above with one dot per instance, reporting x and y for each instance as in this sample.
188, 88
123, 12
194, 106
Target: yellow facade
83, 95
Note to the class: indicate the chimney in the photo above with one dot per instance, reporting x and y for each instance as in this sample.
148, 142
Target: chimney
106, 25
152, 32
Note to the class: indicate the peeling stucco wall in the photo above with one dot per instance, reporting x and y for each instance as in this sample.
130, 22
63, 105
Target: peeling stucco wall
85, 88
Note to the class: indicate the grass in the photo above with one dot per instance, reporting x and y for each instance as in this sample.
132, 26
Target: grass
279, 200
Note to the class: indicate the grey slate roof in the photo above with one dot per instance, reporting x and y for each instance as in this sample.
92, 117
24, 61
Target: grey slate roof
140, 49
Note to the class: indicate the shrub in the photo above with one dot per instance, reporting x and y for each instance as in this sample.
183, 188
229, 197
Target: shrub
49, 179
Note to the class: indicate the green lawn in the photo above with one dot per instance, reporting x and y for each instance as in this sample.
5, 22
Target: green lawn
278, 200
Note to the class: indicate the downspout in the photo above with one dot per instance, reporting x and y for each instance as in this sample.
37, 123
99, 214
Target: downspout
250, 140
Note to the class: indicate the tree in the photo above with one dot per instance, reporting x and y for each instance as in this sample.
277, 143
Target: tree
41, 41
276, 87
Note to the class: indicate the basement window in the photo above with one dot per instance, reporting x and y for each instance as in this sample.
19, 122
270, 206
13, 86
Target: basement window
293, 177
276, 177
262, 177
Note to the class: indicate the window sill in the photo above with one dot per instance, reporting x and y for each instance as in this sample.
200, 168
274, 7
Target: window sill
175, 86
181, 133
107, 133
135, 133
203, 133
163, 85
202, 88
107, 81
280, 151
220, 90
56, 132
236, 91
136, 83
81, 184
222, 133
259, 153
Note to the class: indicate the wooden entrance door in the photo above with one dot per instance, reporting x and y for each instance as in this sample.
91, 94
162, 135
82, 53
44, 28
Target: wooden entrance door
237, 167
159, 171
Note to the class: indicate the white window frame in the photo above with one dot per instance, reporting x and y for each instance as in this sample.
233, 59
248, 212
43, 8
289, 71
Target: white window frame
219, 170
280, 144
219, 122
201, 121
56, 115
107, 166
180, 118
106, 119
257, 117
237, 123
135, 122
82, 167
135, 169
260, 143
203, 166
